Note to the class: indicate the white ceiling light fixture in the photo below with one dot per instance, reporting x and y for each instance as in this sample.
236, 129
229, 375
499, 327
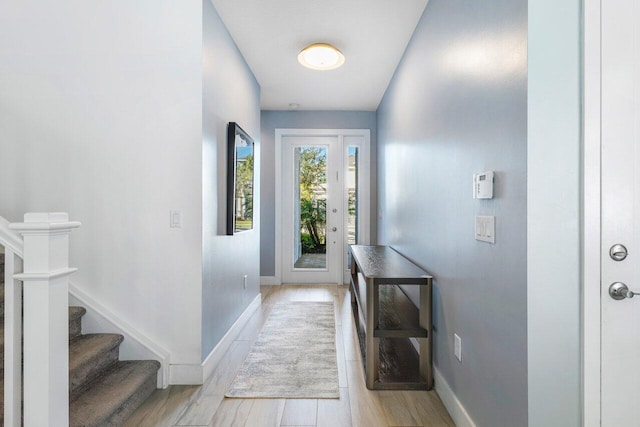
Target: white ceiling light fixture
321, 56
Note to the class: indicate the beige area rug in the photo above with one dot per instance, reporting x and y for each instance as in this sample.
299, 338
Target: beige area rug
294, 356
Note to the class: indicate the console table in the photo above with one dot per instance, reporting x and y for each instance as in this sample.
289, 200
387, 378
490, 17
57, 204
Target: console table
386, 319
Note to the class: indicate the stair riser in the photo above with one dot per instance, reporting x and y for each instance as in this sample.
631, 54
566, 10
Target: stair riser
75, 328
83, 376
120, 416
116, 395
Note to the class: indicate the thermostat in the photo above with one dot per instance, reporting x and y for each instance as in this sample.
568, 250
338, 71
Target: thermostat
483, 185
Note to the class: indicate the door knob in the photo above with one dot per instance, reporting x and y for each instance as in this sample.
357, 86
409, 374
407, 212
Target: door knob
618, 252
620, 291
334, 229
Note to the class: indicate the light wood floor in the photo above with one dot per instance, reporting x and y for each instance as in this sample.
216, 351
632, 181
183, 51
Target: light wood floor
206, 406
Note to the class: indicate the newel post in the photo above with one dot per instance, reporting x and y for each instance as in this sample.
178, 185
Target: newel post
46, 317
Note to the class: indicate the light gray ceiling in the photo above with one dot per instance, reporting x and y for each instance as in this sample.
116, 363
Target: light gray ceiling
372, 34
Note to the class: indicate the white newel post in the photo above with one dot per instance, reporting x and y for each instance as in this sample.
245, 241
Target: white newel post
45, 280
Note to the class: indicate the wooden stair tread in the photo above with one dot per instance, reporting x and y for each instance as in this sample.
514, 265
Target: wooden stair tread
89, 356
115, 395
103, 390
76, 313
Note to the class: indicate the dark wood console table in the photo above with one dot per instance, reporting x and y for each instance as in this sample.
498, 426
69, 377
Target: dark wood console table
386, 319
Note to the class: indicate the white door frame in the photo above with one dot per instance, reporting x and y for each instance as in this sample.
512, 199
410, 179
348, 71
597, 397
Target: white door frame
591, 231
365, 235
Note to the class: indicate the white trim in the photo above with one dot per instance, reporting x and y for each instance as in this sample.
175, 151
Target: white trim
270, 281
278, 219
197, 374
591, 241
221, 348
10, 239
12, 340
185, 374
458, 413
100, 319
366, 210
36, 277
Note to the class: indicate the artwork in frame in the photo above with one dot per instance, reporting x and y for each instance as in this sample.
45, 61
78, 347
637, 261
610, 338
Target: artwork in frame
239, 180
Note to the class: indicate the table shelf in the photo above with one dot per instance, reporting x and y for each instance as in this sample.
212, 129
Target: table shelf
387, 320
397, 316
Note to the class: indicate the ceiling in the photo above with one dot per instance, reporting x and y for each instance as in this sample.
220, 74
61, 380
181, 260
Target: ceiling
372, 34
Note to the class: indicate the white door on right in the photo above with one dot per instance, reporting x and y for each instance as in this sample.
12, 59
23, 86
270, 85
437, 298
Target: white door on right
620, 374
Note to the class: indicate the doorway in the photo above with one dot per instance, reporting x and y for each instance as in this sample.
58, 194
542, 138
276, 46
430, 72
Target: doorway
322, 202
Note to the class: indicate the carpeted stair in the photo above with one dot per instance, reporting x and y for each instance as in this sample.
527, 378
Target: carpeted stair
102, 389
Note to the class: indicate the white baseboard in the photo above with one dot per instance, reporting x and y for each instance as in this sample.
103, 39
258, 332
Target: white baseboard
198, 374
136, 346
221, 348
459, 415
270, 280
185, 374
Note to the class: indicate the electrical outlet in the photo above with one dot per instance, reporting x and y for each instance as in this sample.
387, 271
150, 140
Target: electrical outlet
245, 281
457, 346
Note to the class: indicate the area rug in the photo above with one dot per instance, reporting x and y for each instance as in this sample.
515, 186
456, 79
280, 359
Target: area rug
294, 356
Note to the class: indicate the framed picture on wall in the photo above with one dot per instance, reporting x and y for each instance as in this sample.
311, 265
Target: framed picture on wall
240, 177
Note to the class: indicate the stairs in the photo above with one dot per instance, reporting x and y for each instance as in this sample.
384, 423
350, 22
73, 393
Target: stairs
102, 389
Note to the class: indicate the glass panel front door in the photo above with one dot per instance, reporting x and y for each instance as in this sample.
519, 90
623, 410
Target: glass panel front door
310, 218
325, 203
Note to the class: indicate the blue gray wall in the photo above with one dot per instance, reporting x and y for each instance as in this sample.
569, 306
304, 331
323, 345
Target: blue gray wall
272, 120
457, 105
230, 93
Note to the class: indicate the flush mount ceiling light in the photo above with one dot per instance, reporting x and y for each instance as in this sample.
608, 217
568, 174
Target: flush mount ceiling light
321, 56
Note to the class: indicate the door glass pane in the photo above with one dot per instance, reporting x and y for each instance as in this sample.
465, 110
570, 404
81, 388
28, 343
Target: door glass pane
352, 199
310, 216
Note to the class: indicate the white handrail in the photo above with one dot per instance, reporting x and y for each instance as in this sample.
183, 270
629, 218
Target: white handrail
10, 239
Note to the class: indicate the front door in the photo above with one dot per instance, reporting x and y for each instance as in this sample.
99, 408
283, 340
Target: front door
620, 346
324, 203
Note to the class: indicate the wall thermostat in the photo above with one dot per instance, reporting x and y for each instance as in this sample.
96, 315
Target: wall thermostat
483, 185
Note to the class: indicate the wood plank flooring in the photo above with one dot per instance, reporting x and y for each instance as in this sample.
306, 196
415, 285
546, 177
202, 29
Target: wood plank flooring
357, 407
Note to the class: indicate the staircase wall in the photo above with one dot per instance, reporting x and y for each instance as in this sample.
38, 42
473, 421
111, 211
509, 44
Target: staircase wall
102, 118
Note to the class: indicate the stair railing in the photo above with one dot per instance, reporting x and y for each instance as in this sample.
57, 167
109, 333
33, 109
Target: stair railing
37, 264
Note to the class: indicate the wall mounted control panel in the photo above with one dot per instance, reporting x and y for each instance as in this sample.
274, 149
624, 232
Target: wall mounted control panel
483, 185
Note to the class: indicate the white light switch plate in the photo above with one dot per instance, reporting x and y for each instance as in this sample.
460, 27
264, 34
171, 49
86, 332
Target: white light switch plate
175, 219
457, 347
486, 229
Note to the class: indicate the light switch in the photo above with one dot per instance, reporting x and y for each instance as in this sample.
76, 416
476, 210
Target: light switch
486, 229
175, 219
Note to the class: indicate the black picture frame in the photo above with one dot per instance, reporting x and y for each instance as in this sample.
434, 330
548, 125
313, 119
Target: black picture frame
240, 180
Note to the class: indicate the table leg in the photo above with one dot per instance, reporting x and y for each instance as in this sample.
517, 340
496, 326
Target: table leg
426, 364
373, 343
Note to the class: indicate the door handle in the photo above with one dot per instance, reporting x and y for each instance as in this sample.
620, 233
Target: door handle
620, 291
334, 229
